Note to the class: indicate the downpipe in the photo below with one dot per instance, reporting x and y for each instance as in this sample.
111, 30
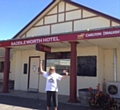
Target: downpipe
115, 65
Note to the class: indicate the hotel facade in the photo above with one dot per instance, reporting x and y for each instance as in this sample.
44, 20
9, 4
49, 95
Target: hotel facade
69, 36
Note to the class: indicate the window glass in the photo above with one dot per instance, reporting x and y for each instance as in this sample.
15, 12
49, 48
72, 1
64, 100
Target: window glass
1, 66
59, 64
60, 60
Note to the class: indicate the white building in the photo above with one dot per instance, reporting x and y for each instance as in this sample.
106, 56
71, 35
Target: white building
88, 39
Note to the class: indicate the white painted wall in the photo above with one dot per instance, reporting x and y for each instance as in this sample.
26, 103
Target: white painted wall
100, 67
53, 11
109, 65
108, 56
61, 20
39, 23
21, 57
61, 7
18, 71
115, 24
61, 17
86, 82
52, 22
51, 19
21, 79
62, 27
64, 86
70, 7
87, 14
37, 31
42, 84
11, 74
73, 15
84, 24
104, 69
23, 36
91, 23
12, 69
118, 65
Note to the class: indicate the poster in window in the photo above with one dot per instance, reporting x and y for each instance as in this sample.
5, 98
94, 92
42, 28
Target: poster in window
34, 67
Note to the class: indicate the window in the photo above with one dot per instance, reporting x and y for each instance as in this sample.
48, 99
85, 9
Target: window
60, 60
59, 65
1, 66
86, 66
25, 68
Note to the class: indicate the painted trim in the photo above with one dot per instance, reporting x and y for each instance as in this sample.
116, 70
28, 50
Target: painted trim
62, 12
81, 13
73, 70
93, 11
52, 9
73, 26
106, 33
110, 23
65, 12
33, 20
66, 21
57, 13
45, 61
50, 29
6, 70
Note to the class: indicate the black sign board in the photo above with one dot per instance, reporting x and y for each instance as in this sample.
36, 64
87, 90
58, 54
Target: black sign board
86, 66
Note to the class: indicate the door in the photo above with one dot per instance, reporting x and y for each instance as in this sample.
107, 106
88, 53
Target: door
33, 78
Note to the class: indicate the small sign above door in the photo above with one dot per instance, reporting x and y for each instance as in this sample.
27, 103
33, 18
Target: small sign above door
43, 48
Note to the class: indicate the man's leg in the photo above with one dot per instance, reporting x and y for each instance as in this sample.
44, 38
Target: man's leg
49, 94
55, 100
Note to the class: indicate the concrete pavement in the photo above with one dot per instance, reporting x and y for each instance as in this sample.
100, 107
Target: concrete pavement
23, 100
20, 103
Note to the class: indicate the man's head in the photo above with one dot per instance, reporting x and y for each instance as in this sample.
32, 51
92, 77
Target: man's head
52, 70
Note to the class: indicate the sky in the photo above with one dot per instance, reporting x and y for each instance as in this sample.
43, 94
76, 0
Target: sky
16, 14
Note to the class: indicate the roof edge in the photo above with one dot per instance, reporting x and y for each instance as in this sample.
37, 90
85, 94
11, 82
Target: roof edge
73, 3
93, 10
33, 19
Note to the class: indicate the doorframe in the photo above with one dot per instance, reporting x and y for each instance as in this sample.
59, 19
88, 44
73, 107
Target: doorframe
29, 71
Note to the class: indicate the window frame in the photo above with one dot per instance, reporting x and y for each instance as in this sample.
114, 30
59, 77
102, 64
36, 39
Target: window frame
57, 56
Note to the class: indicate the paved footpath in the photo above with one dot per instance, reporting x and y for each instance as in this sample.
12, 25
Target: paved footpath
17, 103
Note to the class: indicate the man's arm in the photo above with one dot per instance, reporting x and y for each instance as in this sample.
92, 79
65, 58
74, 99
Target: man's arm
66, 74
41, 68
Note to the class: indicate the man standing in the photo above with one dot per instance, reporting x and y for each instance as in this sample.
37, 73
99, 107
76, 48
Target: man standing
51, 85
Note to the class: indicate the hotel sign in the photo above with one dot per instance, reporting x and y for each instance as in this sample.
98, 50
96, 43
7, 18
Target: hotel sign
100, 34
34, 41
43, 48
63, 37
